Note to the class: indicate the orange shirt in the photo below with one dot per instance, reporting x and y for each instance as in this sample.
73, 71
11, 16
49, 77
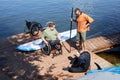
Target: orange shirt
82, 20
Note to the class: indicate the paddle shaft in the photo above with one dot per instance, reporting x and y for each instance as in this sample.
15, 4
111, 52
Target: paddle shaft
71, 26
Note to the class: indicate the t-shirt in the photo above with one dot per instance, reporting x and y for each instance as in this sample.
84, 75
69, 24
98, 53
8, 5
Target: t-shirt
82, 20
50, 34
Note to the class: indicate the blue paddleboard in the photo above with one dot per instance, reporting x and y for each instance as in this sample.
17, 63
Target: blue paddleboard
115, 69
37, 44
100, 76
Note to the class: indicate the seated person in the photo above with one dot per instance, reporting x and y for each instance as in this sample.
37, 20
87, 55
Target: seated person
80, 63
50, 35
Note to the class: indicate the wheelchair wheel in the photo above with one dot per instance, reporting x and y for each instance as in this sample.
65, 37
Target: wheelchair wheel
46, 50
34, 30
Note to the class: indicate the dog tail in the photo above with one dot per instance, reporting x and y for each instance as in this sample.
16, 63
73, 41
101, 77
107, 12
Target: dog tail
98, 66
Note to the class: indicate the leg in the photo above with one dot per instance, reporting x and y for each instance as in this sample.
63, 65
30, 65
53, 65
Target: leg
84, 45
54, 42
56, 47
83, 39
78, 42
78, 39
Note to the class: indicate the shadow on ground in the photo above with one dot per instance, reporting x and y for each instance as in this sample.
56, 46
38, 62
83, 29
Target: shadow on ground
16, 65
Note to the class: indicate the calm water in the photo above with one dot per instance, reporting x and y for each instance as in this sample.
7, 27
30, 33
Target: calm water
13, 14
113, 56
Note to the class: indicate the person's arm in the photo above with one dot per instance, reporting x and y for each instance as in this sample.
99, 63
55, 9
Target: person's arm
43, 38
58, 36
89, 21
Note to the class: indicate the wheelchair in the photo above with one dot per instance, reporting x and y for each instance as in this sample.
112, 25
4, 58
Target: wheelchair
33, 28
48, 49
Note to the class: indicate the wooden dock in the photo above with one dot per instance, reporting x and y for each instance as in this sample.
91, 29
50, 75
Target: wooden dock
103, 43
36, 66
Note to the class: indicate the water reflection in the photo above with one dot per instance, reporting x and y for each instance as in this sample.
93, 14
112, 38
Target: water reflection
112, 56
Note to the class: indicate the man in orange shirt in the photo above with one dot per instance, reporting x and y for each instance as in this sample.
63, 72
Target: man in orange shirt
83, 22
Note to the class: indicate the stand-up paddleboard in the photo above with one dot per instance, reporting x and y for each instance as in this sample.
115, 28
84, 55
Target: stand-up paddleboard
109, 69
100, 76
38, 44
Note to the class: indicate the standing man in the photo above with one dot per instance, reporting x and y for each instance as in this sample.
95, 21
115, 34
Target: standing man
83, 22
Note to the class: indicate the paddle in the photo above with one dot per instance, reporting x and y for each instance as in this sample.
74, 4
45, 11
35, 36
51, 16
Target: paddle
71, 26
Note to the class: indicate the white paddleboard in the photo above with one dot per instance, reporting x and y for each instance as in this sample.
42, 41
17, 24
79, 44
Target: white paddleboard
37, 44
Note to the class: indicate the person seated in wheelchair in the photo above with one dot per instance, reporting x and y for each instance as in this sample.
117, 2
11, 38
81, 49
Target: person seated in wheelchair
50, 35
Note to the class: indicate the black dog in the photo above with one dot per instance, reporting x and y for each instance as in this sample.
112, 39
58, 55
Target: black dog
79, 64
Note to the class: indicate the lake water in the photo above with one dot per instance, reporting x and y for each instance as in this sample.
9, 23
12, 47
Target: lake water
13, 14
106, 14
113, 55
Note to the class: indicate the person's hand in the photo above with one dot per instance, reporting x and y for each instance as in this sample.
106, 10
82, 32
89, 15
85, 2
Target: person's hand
46, 43
87, 25
60, 40
71, 19
75, 55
